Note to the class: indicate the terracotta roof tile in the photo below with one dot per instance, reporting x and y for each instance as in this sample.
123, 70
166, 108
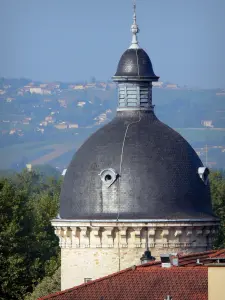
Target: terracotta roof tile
142, 283
188, 281
218, 254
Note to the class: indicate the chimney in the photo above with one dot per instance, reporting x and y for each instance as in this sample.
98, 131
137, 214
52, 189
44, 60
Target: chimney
198, 262
168, 260
168, 297
147, 257
174, 259
165, 260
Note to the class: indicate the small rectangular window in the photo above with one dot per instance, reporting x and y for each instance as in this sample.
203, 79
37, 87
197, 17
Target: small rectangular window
87, 280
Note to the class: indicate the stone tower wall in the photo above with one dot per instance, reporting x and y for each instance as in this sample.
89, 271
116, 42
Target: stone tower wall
93, 250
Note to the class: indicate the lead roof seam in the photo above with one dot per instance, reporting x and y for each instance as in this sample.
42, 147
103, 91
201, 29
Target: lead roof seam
121, 161
137, 62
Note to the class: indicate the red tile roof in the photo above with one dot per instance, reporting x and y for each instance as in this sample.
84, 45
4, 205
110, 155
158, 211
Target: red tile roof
149, 281
220, 254
143, 283
191, 259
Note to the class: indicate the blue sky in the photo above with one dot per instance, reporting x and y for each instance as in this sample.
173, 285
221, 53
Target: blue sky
72, 40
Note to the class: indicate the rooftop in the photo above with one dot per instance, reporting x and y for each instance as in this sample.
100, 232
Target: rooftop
188, 281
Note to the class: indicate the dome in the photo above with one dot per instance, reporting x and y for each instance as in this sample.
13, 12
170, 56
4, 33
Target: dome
135, 63
142, 171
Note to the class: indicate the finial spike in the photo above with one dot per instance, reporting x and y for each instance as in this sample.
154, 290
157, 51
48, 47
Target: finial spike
134, 30
134, 8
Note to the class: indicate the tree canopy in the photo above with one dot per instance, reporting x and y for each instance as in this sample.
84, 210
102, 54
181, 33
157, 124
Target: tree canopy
29, 248
47, 286
217, 186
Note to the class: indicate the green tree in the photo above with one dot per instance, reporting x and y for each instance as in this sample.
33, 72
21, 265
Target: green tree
29, 248
47, 286
15, 254
217, 185
47, 171
45, 207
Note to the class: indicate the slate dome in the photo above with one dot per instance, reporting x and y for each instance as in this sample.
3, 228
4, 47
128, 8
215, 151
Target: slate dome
135, 62
158, 175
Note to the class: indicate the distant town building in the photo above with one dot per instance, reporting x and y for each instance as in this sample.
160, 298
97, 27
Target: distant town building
6, 86
90, 85
36, 90
53, 86
73, 125
20, 92
26, 88
50, 119
102, 84
207, 123
81, 103
61, 126
13, 131
78, 87
172, 86
157, 84
44, 123
43, 85
40, 129
40, 91
46, 92
220, 94
62, 103
112, 85
10, 99
26, 121
29, 167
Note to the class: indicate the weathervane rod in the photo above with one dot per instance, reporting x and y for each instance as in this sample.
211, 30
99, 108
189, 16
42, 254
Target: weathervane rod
134, 8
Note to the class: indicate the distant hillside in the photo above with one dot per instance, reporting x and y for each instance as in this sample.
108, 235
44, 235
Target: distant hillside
44, 123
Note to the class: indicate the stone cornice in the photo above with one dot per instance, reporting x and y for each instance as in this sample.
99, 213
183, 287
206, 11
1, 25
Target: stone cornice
90, 234
138, 223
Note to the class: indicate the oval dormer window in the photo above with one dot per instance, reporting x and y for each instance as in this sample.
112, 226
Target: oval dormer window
108, 176
204, 174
